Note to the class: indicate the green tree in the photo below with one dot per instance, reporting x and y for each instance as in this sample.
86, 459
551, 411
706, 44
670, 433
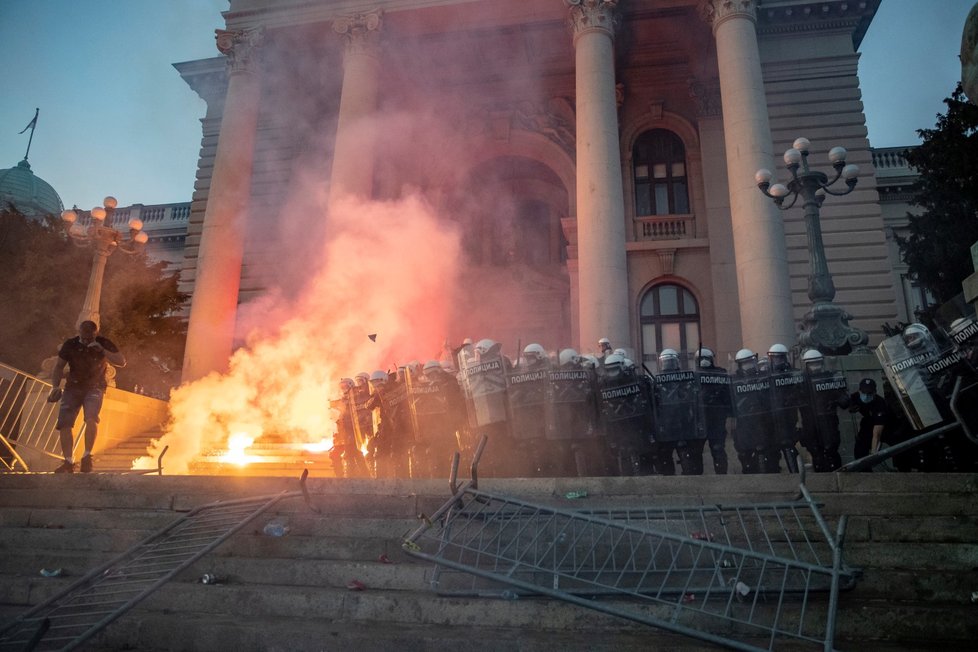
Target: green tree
937, 248
43, 279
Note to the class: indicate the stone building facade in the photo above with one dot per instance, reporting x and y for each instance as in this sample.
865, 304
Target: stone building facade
618, 138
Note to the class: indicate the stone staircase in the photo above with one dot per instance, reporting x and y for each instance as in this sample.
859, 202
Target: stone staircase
913, 535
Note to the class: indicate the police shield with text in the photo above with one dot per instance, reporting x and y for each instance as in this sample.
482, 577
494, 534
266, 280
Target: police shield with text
715, 406
625, 406
437, 409
526, 388
571, 417
754, 434
485, 379
675, 414
788, 396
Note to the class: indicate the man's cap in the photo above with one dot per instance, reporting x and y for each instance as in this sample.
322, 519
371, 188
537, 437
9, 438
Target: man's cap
867, 385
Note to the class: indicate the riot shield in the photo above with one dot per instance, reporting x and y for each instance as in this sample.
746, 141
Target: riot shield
485, 381
829, 391
675, 406
788, 397
426, 403
362, 417
714, 401
752, 406
906, 371
527, 393
570, 406
625, 412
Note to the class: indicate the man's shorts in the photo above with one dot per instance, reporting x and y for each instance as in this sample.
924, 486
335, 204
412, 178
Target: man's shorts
74, 399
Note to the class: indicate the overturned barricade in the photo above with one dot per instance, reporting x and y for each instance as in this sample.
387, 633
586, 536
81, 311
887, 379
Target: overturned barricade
748, 576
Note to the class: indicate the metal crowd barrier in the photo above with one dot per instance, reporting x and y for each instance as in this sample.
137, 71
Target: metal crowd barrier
749, 577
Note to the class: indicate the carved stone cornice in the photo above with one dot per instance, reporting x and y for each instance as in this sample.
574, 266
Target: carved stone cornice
716, 12
360, 32
593, 16
706, 94
242, 48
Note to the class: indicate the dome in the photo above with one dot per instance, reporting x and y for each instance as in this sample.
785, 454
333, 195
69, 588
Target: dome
29, 194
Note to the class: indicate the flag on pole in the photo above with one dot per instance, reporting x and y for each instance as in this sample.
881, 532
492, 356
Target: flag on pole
33, 123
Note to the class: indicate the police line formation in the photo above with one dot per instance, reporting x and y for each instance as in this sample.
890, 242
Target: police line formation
581, 415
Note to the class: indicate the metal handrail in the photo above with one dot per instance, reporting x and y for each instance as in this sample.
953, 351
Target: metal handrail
27, 419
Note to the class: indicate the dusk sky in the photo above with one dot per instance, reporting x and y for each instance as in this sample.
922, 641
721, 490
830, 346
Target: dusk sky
117, 119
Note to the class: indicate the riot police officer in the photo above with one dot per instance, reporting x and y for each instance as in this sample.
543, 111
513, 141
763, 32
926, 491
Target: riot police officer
345, 454
572, 432
788, 396
754, 433
625, 404
715, 407
526, 390
820, 423
675, 416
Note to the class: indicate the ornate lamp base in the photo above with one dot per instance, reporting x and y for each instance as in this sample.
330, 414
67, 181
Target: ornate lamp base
826, 327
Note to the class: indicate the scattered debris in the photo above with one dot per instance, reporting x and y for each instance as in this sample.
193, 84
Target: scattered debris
356, 585
276, 529
573, 495
54, 572
384, 559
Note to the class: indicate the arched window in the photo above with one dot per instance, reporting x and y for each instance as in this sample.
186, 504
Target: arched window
659, 166
670, 319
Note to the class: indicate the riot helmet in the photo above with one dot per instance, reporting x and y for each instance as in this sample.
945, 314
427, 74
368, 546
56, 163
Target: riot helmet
668, 360
534, 354
568, 357
746, 361
604, 346
613, 365
777, 355
362, 378
484, 346
622, 352
378, 378
432, 369
814, 361
628, 365
346, 384
588, 361
916, 336
704, 358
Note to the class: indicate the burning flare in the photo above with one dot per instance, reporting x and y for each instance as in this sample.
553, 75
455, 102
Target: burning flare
388, 265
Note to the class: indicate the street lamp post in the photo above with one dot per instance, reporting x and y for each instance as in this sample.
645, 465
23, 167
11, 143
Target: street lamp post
103, 241
825, 326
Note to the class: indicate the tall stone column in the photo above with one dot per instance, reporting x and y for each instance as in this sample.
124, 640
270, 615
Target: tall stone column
353, 152
213, 308
602, 271
758, 232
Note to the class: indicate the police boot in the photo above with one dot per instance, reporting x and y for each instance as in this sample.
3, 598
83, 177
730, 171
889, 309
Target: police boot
769, 460
690, 461
663, 461
748, 462
790, 459
719, 454
832, 460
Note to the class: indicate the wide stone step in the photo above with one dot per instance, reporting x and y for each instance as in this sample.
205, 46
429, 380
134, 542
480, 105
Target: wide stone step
909, 623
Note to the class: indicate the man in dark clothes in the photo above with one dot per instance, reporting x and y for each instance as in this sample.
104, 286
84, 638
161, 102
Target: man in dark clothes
876, 416
87, 358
